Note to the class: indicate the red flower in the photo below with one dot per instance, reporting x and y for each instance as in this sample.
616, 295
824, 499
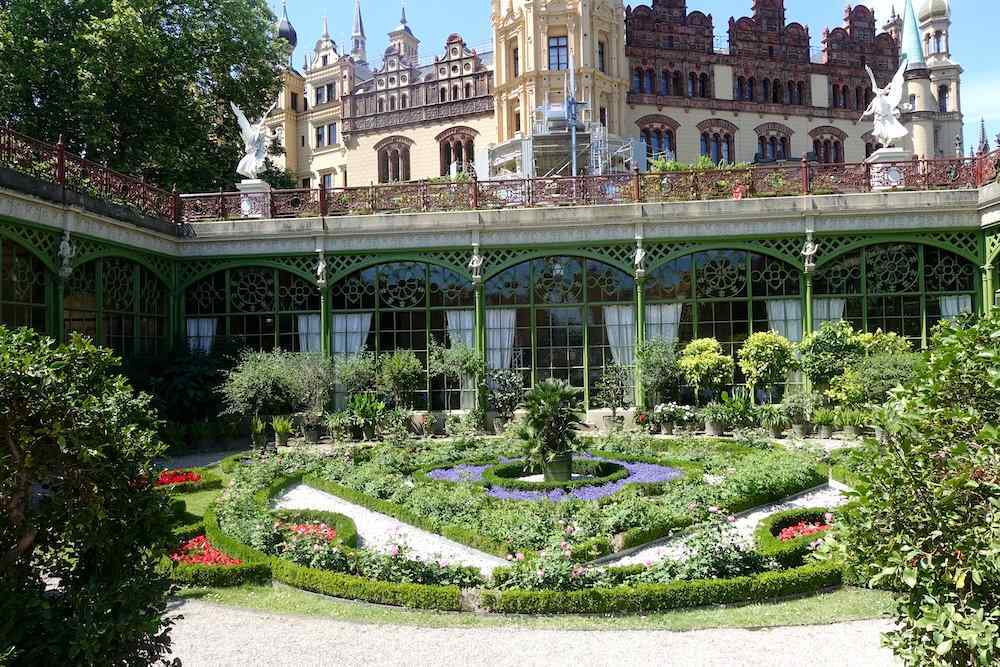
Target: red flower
170, 477
320, 529
198, 551
802, 529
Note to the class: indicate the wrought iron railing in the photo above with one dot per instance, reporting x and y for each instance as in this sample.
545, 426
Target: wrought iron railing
53, 164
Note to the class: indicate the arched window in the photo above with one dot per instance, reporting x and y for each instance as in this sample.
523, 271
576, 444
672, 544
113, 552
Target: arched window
836, 96
703, 86
800, 93
404, 306
381, 105
718, 140
457, 147
443, 95
692, 84
751, 84
791, 93
263, 308
779, 91
24, 286
402, 101
658, 131
637, 80
828, 144
883, 287
392, 104
665, 83
938, 42
859, 99
678, 86
468, 90
561, 317
741, 88
706, 145
393, 155
723, 294
650, 82
766, 90
454, 92
120, 304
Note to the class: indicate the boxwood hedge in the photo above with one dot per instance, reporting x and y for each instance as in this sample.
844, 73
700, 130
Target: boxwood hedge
793, 552
597, 472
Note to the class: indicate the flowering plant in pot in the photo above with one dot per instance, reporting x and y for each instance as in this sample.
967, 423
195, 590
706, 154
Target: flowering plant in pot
646, 422
550, 428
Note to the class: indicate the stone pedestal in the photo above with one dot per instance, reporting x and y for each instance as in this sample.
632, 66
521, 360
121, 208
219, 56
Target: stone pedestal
255, 198
889, 168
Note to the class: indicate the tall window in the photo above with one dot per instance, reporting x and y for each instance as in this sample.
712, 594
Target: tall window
320, 95
601, 63
516, 61
331, 92
944, 98
320, 137
637, 77
263, 308
403, 306
24, 285
295, 101
650, 86
331, 134
558, 53
120, 304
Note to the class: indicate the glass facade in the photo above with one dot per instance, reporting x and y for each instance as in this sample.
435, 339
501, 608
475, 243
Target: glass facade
24, 288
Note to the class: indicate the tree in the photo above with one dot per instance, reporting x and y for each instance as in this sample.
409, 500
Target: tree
657, 361
765, 359
142, 84
704, 366
80, 516
927, 516
827, 353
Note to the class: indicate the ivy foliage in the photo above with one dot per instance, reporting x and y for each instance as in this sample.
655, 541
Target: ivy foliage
83, 528
928, 517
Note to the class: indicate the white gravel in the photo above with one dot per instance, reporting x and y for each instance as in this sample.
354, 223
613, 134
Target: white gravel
223, 636
745, 525
379, 532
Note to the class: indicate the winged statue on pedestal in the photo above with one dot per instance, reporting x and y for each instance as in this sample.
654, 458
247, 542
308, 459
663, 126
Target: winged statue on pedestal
256, 142
885, 108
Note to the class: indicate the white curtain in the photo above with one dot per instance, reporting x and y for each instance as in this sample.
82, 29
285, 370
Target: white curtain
309, 333
663, 321
953, 306
461, 326
201, 333
827, 310
500, 329
785, 317
620, 324
350, 332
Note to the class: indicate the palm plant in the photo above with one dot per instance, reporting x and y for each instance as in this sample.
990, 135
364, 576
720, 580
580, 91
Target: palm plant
550, 428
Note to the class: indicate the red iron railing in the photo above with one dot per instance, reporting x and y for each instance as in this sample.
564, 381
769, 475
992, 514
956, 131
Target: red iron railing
53, 164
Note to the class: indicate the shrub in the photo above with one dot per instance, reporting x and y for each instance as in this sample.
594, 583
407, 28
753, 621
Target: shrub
868, 381
766, 359
927, 520
358, 373
310, 379
400, 374
881, 342
828, 352
799, 407
259, 385
550, 429
506, 392
79, 509
705, 367
458, 363
659, 374
614, 388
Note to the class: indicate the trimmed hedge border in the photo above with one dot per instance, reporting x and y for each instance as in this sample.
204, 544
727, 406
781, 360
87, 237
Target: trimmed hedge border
209, 482
417, 596
600, 473
664, 597
347, 531
221, 576
793, 552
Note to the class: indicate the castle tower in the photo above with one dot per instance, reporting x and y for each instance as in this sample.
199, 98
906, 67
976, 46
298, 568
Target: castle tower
359, 49
919, 119
934, 18
292, 99
532, 43
403, 41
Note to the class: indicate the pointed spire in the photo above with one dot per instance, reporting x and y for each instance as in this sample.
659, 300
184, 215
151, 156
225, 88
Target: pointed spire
359, 26
402, 18
911, 46
326, 28
984, 143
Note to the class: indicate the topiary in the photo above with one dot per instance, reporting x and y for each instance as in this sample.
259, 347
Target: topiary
400, 374
705, 367
827, 353
766, 359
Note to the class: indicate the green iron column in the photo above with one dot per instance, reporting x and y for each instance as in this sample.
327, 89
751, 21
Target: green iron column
807, 320
989, 297
57, 291
640, 337
325, 322
480, 339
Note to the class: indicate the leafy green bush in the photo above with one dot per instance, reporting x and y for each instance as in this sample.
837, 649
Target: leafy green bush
358, 373
766, 358
614, 388
705, 367
868, 381
828, 352
507, 393
550, 428
882, 342
927, 516
259, 385
400, 374
80, 514
799, 406
310, 380
660, 374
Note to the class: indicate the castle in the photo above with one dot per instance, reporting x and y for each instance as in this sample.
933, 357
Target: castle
653, 76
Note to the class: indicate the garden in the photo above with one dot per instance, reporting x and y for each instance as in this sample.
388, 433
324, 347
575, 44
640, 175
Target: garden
710, 492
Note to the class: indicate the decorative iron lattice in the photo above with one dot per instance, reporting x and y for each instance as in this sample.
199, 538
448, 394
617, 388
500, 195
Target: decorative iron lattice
118, 283
448, 288
945, 272
777, 275
993, 247
893, 269
44, 244
83, 281
609, 283
152, 295
205, 294
840, 276
252, 290
355, 292
295, 295
723, 276
558, 280
964, 243
403, 285
25, 275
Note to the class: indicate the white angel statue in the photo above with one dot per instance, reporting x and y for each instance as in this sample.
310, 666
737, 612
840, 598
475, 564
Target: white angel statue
256, 142
885, 108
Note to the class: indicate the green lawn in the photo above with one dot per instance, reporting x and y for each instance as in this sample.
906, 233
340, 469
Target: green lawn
847, 604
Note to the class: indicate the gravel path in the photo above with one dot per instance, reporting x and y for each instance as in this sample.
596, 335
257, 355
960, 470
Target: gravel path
745, 525
216, 636
378, 531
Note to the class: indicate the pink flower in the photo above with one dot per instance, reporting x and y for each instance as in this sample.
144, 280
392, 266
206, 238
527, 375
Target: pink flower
714, 510
731, 519
394, 550
829, 517
509, 557
519, 556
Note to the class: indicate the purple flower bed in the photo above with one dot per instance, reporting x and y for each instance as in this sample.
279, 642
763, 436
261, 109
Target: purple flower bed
639, 473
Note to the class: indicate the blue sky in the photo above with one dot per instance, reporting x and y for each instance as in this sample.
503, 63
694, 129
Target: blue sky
973, 31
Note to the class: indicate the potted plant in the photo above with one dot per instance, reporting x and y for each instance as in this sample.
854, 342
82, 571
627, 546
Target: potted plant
613, 391
368, 414
799, 408
258, 434
312, 422
705, 367
765, 359
339, 424
357, 374
715, 415
400, 374
549, 432
775, 420
282, 427
423, 424
685, 419
850, 421
824, 419
646, 423
506, 390
657, 361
